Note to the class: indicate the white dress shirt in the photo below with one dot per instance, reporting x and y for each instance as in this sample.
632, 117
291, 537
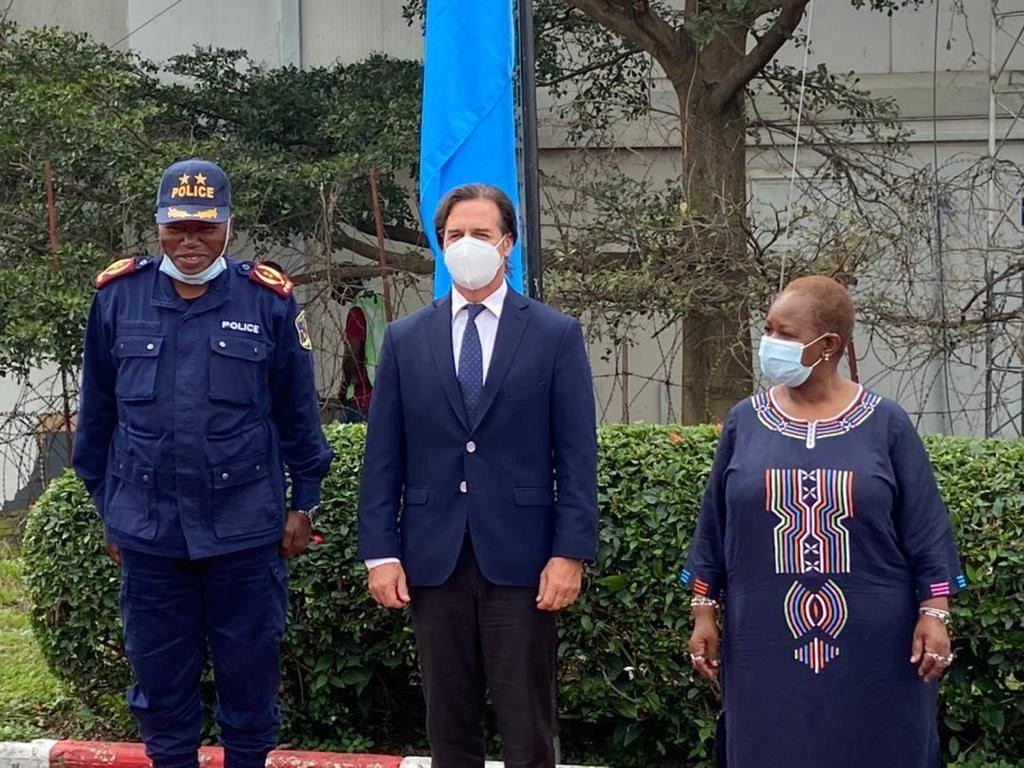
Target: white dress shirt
486, 323
487, 328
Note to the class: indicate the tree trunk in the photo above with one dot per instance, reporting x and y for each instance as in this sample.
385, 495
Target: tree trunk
716, 347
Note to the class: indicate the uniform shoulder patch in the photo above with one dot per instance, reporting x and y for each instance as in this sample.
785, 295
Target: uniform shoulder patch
303, 330
271, 278
120, 268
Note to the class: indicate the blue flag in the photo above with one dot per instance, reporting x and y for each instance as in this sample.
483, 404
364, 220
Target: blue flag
468, 132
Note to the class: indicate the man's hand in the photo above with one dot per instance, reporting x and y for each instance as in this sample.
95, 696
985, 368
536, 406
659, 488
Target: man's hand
703, 645
387, 585
297, 530
559, 583
113, 552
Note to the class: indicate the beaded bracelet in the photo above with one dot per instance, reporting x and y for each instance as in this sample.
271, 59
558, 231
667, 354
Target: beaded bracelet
704, 601
935, 613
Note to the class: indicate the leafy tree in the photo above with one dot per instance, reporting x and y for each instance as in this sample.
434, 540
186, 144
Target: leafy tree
297, 144
689, 250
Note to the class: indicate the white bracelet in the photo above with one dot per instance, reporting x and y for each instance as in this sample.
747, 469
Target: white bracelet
935, 613
704, 601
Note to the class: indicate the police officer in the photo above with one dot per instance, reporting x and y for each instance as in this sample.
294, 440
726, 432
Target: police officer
197, 391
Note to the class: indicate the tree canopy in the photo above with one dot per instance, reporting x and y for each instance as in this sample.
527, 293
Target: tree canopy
297, 145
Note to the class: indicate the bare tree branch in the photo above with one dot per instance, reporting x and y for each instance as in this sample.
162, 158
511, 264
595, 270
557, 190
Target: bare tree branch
671, 46
398, 234
746, 69
593, 67
342, 272
398, 261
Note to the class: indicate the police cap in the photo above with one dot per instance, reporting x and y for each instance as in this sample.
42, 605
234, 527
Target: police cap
193, 190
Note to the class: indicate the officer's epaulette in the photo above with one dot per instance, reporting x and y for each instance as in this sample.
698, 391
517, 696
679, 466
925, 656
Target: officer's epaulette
120, 268
271, 278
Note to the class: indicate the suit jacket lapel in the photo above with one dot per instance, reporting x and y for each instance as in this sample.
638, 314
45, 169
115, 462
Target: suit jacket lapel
440, 336
514, 319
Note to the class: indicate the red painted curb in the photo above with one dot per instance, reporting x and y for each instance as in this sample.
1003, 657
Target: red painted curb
112, 754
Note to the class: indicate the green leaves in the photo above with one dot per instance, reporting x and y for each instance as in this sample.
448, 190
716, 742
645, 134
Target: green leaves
297, 144
627, 695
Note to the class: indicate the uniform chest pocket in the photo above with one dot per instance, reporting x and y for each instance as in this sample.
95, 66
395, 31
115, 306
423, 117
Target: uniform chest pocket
137, 358
236, 368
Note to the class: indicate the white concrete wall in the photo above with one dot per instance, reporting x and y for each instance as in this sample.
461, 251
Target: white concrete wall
22, 405
255, 25
348, 31
105, 20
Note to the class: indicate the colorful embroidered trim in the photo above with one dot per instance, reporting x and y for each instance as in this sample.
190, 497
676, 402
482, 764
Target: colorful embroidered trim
816, 654
855, 414
807, 610
685, 576
811, 507
940, 589
700, 587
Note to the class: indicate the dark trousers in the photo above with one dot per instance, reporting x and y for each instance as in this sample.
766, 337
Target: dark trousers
174, 609
476, 638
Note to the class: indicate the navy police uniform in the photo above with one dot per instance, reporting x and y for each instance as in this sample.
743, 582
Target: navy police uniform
189, 412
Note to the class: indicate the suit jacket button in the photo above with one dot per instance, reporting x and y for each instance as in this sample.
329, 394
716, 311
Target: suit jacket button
471, 447
463, 488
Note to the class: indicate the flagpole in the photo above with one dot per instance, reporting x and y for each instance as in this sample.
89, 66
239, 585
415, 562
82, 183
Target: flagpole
531, 170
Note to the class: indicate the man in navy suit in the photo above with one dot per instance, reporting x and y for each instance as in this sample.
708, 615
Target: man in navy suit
482, 432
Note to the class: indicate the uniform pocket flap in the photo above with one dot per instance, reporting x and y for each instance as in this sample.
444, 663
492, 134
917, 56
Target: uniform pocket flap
133, 472
238, 473
534, 497
238, 348
138, 346
416, 495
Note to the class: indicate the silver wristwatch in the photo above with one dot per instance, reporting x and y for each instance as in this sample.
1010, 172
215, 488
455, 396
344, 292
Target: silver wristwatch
310, 513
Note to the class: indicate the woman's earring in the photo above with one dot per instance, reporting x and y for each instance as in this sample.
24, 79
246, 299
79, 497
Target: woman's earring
827, 357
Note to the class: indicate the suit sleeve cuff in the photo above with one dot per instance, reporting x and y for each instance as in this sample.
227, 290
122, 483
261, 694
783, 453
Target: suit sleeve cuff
586, 553
374, 562
305, 493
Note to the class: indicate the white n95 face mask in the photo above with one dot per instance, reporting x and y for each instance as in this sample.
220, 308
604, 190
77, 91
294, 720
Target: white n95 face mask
782, 360
472, 263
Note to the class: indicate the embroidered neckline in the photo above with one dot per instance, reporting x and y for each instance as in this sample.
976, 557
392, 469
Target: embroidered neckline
771, 415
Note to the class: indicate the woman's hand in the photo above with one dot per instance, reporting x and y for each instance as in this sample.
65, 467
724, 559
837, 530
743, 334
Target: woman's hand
703, 643
931, 648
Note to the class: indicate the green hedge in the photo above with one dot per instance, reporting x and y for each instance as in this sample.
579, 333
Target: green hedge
627, 695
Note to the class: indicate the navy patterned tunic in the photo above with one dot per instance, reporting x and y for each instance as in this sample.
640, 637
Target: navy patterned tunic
822, 539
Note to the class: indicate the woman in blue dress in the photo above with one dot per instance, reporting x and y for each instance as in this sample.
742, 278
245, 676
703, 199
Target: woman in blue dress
824, 544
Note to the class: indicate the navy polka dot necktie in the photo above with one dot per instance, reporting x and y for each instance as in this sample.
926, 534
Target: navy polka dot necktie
471, 363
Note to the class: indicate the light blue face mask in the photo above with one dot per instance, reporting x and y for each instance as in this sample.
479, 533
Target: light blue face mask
782, 360
218, 265
199, 278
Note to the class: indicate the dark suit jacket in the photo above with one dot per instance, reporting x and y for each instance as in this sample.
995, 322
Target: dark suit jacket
495, 477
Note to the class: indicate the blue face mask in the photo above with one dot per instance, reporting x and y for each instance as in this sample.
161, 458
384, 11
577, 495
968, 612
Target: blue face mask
200, 278
782, 360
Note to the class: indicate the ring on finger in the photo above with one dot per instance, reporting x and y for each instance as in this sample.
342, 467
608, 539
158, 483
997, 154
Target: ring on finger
695, 657
941, 660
